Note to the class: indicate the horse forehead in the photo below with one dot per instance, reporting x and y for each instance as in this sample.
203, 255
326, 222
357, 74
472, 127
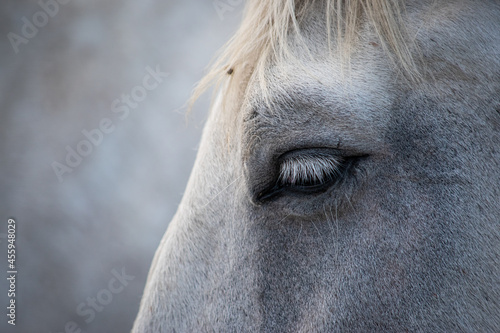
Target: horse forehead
444, 35
332, 78
316, 74
325, 89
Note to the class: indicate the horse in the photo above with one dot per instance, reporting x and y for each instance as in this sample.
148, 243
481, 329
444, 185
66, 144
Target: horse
348, 177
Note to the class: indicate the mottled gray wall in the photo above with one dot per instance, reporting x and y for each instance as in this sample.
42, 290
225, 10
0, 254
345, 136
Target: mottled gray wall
77, 231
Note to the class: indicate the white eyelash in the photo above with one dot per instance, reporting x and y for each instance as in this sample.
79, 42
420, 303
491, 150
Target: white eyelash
310, 169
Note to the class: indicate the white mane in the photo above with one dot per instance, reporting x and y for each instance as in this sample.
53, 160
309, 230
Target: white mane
268, 25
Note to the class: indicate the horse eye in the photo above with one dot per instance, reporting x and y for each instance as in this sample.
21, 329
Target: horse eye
309, 170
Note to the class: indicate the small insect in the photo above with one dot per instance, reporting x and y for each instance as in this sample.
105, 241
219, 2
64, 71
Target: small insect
230, 71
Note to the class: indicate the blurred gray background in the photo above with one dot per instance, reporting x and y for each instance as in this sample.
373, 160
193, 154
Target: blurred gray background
77, 232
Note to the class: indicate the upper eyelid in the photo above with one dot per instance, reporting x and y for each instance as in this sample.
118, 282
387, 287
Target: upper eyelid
312, 167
